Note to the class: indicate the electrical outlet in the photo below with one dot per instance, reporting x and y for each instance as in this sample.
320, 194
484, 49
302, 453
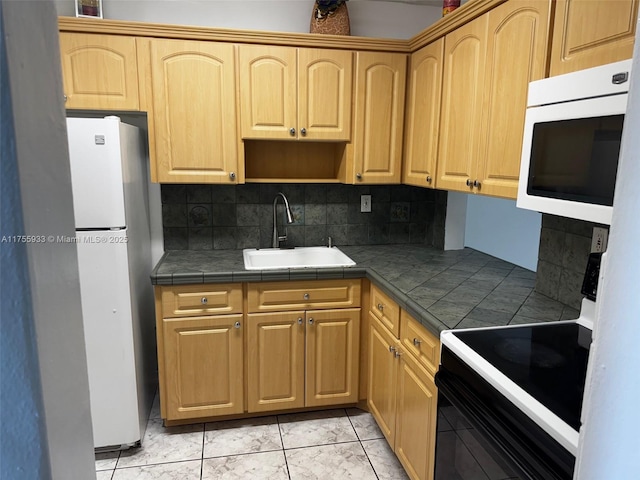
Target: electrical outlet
365, 203
599, 239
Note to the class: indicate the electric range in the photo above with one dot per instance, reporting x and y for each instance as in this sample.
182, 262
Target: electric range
518, 390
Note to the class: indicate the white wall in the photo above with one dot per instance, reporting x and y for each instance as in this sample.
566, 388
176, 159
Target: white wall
367, 18
497, 227
608, 447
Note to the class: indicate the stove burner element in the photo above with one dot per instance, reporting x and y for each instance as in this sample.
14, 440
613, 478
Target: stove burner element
525, 352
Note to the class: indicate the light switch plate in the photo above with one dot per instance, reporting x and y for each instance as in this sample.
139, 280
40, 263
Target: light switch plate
365, 203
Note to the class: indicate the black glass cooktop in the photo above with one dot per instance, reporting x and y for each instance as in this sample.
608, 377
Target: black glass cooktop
548, 361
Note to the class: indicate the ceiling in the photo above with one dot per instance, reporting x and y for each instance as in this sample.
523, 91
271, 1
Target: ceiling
431, 3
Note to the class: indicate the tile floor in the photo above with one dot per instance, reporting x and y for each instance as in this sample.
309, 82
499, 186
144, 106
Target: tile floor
330, 444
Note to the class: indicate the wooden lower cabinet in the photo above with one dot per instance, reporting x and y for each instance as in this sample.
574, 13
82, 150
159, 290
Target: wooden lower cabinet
403, 399
302, 359
383, 375
333, 341
203, 366
415, 419
275, 361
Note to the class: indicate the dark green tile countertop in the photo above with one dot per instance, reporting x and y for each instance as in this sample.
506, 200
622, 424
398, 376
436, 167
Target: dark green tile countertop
441, 289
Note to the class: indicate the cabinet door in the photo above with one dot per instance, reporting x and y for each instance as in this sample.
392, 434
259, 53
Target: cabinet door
333, 341
324, 94
268, 91
516, 55
423, 116
379, 110
100, 72
590, 33
416, 419
462, 87
383, 373
194, 111
203, 366
275, 361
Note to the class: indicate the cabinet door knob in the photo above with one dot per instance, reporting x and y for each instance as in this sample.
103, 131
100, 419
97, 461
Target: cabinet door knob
469, 182
65, 99
299, 320
232, 175
203, 300
397, 354
380, 307
359, 176
476, 183
310, 320
306, 296
236, 325
303, 132
292, 131
417, 342
392, 348
428, 178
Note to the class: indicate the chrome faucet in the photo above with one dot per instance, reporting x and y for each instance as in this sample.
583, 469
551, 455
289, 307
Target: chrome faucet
289, 217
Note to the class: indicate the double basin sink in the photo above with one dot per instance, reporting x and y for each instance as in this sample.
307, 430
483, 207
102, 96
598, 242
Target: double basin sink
299, 257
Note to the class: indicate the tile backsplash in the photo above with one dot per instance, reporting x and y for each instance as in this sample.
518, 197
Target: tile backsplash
562, 259
205, 217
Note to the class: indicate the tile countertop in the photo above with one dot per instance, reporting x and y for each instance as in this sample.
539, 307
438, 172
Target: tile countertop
441, 289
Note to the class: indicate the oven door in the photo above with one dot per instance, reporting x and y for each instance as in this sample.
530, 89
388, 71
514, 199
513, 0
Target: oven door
483, 436
570, 156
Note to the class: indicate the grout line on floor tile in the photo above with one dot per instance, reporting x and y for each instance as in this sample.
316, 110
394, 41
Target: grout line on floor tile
204, 438
286, 463
323, 445
369, 460
353, 426
131, 467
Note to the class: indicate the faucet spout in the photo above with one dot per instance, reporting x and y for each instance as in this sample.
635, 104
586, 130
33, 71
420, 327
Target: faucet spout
288, 215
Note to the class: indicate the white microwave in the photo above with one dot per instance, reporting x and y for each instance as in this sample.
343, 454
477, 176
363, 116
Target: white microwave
571, 144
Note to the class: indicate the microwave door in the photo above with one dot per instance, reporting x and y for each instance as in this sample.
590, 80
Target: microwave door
569, 158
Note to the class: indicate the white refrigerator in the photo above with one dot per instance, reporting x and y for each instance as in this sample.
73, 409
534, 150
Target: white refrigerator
111, 207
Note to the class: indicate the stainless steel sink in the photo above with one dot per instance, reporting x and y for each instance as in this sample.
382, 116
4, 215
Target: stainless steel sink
299, 257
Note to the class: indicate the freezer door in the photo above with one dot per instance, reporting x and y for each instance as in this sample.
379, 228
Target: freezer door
96, 172
108, 331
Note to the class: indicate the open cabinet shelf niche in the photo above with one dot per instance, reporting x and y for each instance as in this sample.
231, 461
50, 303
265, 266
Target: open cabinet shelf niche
268, 161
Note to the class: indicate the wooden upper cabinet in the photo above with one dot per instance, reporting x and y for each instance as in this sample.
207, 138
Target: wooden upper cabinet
379, 110
423, 116
325, 80
192, 110
292, 93
100, 72
488, 65
268, 91
463, 86
517, 41
589, 33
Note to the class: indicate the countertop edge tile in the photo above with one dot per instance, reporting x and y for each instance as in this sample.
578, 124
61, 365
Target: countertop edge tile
275, 275
186, 278
303, 274
217, 277
247, 276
